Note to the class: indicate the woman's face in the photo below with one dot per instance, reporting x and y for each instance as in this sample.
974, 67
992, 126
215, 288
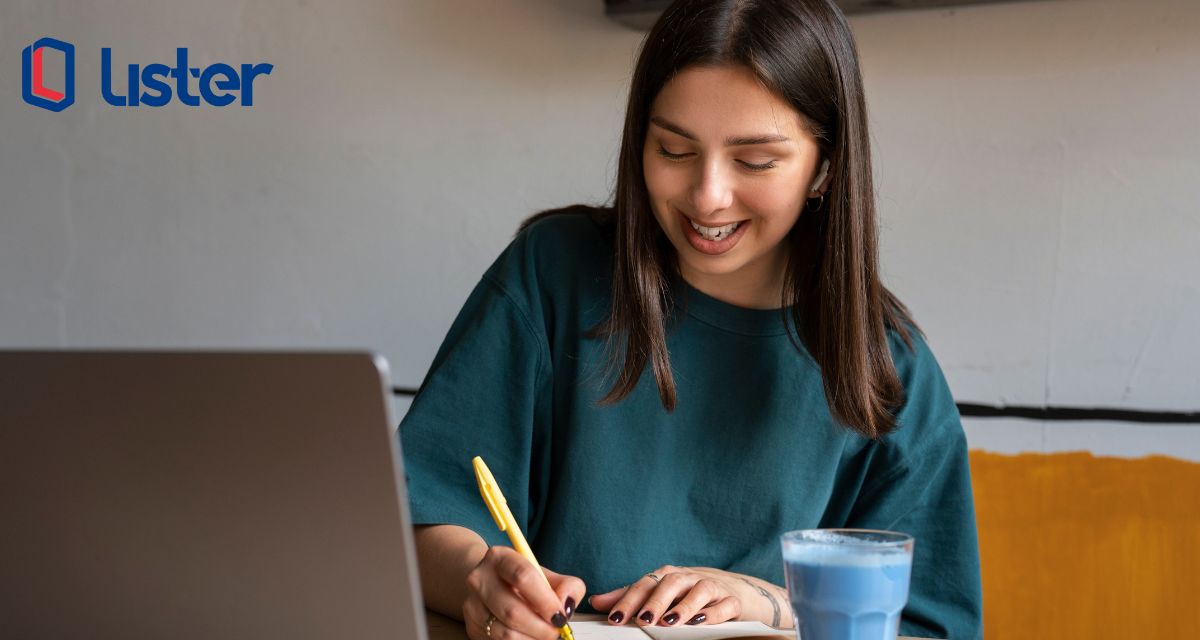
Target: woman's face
722, 150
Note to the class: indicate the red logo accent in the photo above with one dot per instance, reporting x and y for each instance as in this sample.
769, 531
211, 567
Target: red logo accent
38, 88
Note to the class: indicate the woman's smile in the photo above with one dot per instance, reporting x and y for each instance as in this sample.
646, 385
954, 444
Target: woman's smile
714, 240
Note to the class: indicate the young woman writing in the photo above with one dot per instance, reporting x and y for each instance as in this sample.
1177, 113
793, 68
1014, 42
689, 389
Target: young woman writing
665, 385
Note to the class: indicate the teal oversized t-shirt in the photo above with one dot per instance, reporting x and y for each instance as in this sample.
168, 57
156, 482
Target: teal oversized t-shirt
609, 493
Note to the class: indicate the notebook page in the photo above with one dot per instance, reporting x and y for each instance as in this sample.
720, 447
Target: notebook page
602, 630
721, 631
594, 627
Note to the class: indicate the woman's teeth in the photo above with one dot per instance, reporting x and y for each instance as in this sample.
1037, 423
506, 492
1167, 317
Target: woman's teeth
715, 233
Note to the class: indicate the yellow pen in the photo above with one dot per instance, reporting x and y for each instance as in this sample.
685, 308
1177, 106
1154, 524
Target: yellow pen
498, 507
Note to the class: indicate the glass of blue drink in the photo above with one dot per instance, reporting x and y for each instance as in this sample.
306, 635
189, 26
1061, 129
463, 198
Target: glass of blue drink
847, 584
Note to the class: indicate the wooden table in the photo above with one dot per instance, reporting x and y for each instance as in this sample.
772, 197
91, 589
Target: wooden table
444, 628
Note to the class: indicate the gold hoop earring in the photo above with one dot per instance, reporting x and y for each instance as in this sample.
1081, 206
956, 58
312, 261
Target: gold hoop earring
820, 203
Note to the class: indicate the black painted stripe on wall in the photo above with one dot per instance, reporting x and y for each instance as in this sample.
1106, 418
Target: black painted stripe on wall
1038, 413
1079, 413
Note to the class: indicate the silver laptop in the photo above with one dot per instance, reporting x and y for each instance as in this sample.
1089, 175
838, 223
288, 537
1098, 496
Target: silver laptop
202, 495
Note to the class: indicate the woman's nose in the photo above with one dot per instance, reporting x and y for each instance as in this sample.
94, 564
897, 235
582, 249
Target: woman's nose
711, 190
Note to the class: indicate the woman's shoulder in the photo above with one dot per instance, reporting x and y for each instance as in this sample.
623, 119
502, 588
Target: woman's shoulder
556, 251
910, 350
573, 227
929, 412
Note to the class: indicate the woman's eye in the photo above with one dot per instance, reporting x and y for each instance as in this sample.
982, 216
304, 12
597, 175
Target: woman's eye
751, 166
759, 167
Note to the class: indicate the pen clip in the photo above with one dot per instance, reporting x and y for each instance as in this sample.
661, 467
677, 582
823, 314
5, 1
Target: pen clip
489, 491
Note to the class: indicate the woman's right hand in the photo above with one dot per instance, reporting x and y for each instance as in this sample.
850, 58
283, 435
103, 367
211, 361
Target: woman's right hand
506, 585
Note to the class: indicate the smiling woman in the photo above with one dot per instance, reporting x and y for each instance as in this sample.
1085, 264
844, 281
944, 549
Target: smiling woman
665, 385
713, 192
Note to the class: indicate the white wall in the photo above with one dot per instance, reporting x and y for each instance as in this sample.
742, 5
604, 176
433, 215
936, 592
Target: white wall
1037, 171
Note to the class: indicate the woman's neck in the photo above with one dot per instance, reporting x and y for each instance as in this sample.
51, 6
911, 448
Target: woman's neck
753, 286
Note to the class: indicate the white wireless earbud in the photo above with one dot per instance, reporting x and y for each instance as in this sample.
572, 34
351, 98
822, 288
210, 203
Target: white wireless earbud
820, 175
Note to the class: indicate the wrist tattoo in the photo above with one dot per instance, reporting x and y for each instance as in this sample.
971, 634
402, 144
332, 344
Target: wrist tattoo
774, 603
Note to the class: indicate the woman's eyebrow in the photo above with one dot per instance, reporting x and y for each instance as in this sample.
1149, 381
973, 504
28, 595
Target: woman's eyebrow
731, 141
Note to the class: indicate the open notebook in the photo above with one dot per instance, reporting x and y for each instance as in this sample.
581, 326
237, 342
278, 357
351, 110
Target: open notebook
594, 627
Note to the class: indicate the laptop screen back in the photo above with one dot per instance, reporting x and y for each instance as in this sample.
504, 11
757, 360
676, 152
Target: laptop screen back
202, 495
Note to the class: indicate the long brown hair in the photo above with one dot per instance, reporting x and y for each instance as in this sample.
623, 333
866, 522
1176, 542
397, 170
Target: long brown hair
804, 51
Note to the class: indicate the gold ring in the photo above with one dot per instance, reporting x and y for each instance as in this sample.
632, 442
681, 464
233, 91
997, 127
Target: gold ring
491, 619
656, 578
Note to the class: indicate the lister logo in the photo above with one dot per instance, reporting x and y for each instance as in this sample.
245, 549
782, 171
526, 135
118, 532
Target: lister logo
217, 84
33, 83
150, 85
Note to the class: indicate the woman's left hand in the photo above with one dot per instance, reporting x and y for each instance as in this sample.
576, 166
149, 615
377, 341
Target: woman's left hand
700, 595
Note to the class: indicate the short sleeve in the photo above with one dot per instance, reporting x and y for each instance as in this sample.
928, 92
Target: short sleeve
920, 484
486, 394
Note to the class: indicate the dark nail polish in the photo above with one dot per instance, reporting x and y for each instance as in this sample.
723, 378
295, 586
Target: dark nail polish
646, 617
671, 618
558, 620
698, 618
617, 617
569, 608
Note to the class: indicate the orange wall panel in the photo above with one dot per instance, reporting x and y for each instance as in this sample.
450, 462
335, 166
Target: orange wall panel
1078, 546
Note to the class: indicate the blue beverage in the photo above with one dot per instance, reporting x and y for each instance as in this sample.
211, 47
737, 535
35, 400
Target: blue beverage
847, 584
